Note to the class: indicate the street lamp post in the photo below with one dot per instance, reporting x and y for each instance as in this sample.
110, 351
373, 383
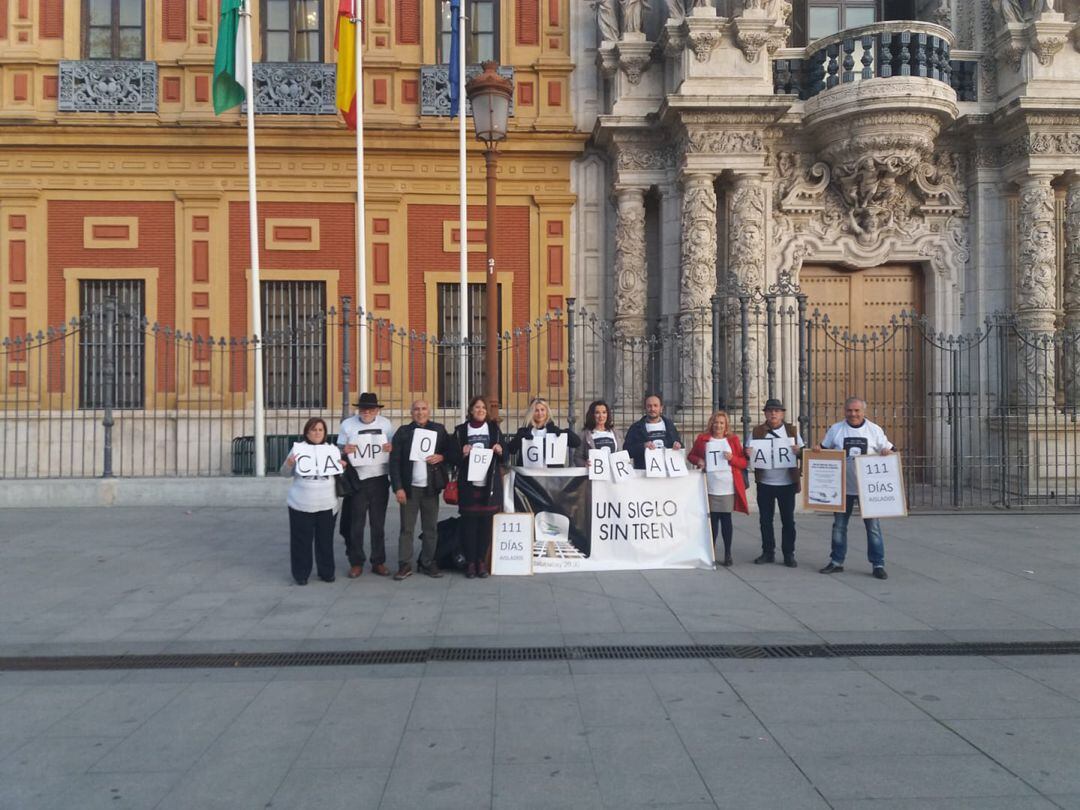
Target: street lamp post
490, 95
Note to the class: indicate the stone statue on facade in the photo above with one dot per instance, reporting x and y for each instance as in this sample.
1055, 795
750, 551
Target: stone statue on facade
677, 8
632, 12
1010, 11
607, 20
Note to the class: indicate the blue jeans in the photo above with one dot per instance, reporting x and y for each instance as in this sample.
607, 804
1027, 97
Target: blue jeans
875, 543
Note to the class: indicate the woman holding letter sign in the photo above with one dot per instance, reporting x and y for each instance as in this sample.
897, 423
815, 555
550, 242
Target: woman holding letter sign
719, 452
856, 436
479, 493
599, 433
529, 443
313, 503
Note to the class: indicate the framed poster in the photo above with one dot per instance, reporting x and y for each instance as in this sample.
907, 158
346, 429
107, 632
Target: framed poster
881, 486
824, 481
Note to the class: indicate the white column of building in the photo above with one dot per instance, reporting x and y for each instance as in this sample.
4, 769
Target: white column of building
697, 285
630, 297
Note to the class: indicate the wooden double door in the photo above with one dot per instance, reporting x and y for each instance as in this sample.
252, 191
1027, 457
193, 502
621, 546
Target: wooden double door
862, 351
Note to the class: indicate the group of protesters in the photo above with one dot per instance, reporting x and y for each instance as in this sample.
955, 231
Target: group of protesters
418, 484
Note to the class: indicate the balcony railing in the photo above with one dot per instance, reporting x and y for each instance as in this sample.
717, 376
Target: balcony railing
94, 85
435, 88
294, 88
900, 48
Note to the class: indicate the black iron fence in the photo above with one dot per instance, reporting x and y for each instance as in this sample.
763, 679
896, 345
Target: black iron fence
985, 420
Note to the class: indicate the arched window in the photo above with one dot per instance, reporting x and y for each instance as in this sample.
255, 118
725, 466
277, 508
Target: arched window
292, 31
113, 29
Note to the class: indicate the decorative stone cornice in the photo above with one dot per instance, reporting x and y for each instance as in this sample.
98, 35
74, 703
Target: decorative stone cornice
720, 142
1048, 36
702, 30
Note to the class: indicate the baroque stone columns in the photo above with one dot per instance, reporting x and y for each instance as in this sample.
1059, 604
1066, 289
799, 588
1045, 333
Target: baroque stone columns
1035, 290
1071, 295
697, 285
746, 255
631, 295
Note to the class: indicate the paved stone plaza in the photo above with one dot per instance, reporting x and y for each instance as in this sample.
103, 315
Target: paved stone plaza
874, 732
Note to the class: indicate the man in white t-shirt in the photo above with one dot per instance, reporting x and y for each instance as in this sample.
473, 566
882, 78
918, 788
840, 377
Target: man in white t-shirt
856, 436
777, 488
369, 504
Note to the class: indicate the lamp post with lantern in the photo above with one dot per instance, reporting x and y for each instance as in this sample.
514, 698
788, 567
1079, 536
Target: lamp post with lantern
489, 93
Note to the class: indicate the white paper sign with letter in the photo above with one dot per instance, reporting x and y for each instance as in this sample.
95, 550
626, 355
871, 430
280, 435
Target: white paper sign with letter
555, 446
423, 444
715, 460
316, 460
479, 462
599, 464
369, 449
654, 463
532, 453
676, 463
622, 467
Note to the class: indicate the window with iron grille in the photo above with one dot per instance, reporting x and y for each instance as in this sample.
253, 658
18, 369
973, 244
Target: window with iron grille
292, 31
113, 29
294, 349
127, 350
449, 366
481, 31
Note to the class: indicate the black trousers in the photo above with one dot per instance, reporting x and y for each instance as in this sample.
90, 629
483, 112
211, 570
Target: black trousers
368, 505
768, 499
307, 529
476, 530
722, 520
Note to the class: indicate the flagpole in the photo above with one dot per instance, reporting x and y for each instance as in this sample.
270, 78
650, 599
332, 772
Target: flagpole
253, 233
361, 215
463, 215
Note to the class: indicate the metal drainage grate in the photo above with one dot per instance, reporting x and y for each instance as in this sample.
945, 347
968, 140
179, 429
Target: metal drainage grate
257, 660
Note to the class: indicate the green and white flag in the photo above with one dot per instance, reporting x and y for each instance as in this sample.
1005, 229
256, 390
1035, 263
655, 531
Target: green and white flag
230, 59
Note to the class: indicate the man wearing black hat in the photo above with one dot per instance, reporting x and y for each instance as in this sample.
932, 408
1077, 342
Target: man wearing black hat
777, 487
370, 502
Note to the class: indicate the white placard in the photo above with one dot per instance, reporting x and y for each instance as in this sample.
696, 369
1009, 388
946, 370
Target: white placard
479, 462
715, 460
532, 453
676, 463
316, 460
423, 444
784, 457
824, 479
512, 544
599, 464
622, 466
761, 454
369, 449
654, 463
555, 447
881, 486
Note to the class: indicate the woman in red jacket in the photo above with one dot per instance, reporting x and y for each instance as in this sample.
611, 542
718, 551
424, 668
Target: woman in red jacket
727, 490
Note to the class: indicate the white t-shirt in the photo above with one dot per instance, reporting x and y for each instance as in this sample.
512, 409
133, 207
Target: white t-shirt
419, 473
479, 437
604, 438
867, 439
380, 424
782, 477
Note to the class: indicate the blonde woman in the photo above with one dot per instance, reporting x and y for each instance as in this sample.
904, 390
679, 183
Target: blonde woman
727, 492
539, 425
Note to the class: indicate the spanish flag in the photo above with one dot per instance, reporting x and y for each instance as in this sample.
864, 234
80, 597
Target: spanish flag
345, 45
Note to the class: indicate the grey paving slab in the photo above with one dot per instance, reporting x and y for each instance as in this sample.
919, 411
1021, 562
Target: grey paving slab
96, 791
552, 786
911, 777
644, 766
309, 787
952, 803
540, 730
1044, 752
759, 783
52, 756
116, 712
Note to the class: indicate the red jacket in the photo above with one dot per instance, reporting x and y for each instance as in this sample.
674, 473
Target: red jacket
738, 462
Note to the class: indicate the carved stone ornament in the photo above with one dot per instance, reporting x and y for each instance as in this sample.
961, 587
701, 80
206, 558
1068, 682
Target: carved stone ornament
703, 43
644, 157
1042, 143
697, 283
746, 228
631, 273
1037, 253
634, 58
763, 24
722, 142
1048, 36
1070, 298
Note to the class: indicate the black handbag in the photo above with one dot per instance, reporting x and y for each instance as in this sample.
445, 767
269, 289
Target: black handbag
348, 483
437, 479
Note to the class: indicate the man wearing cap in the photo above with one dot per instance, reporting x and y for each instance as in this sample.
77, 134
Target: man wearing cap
777, 488
371, 458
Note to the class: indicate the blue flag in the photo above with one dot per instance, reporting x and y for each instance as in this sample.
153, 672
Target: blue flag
455, 56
